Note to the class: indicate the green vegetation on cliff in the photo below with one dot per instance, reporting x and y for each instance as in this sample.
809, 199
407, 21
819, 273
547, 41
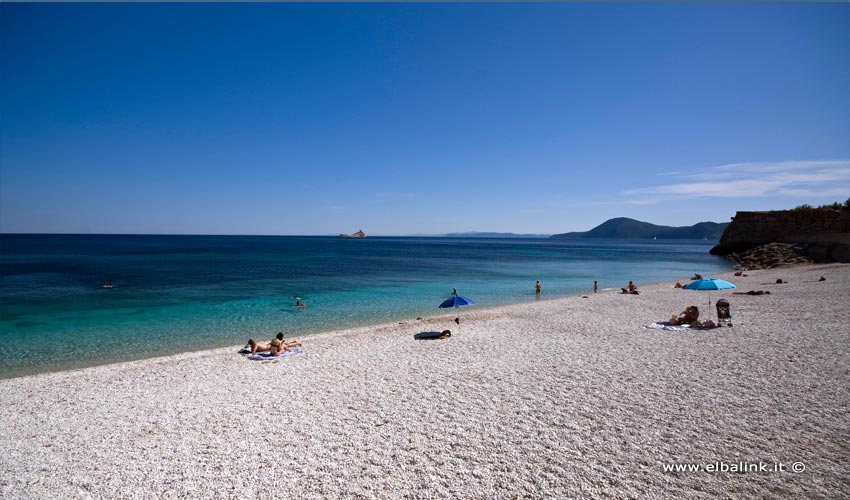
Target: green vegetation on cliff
833, 206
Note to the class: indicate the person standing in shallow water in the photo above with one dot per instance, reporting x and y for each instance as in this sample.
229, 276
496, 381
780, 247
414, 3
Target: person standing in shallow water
454, 292
538, 287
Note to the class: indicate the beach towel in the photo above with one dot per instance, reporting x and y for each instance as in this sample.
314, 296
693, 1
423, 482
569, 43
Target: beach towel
667, 326
268, 357
433, 335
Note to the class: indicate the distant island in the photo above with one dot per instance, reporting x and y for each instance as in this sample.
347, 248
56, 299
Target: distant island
358, 234
625, 228
476, 234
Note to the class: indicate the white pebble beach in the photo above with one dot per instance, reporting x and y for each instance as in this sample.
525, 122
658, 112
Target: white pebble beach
562, 398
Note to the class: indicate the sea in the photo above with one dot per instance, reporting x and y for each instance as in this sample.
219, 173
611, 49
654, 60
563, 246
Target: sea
172, 294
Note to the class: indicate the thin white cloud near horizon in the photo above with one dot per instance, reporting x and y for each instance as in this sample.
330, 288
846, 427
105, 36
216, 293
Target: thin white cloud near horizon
813, 178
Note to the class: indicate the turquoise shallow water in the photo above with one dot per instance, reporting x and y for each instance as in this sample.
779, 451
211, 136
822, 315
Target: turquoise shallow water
182, 293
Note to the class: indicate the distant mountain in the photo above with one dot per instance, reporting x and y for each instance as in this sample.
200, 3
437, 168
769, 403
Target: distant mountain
625, 228
475, 234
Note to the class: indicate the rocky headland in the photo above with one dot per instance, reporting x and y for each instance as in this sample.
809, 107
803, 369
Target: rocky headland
760, 240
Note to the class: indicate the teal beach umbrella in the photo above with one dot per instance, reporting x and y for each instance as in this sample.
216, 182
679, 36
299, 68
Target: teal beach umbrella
709, 284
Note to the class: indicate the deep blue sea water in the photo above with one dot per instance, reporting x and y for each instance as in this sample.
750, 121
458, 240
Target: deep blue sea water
181, 293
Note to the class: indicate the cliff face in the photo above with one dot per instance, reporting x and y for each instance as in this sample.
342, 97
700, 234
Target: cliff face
821, 235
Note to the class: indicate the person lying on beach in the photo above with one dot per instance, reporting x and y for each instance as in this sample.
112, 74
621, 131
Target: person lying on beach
274, 347
277, 347
258, 346
688, 316
278, 344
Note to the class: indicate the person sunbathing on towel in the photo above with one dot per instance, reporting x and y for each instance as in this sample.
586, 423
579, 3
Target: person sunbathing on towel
278, 344
258, 346
688, 316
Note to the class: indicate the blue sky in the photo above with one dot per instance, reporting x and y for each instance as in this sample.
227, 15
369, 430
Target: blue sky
416, 118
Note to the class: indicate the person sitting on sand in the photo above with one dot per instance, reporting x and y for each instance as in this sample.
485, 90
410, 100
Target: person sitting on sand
258, 346
688, 316
277, 347
678, 285
278, 344
631, 289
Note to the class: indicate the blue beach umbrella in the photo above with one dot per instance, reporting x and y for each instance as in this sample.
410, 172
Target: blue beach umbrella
456, 301
709, 284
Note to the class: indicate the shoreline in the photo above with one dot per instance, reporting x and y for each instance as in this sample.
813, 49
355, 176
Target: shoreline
157, 313
383, 326
565, 397
311, 334
308, 335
